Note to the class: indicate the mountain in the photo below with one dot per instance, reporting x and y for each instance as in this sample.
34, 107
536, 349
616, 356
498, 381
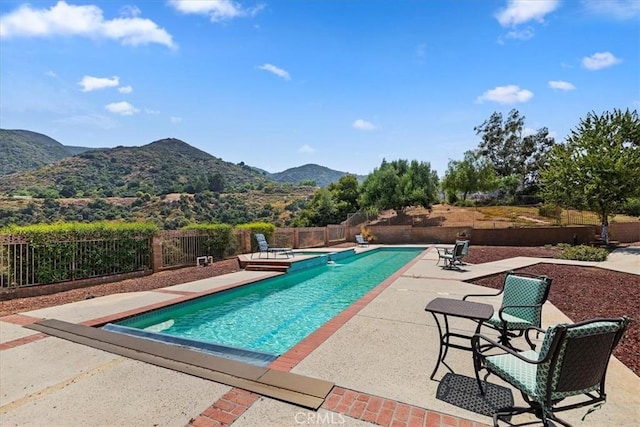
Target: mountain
164, 166
77, 150
161, 167
322, 175
25, 150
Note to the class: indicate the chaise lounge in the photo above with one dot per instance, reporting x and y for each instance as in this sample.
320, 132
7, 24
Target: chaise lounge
263, 247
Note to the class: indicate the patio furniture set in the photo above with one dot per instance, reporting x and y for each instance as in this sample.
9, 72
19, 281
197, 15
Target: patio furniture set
572, 359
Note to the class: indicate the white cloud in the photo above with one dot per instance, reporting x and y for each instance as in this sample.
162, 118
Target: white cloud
275, 70
51, 74
175, 120
510, 94
95, 120
524, 34
561, 85
123, 108
125, 89
216, 10
618, 9
306, 149
130, 11
150, 111
64, 19
521, 11
600, 60
363, 125
90, 83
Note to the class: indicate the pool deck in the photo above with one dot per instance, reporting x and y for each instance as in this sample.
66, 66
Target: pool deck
378, 353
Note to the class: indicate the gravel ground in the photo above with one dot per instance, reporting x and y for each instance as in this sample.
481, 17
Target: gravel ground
573, 291
581, 293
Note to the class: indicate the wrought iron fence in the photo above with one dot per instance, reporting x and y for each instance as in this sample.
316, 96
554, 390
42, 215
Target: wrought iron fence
23, 264
182, 247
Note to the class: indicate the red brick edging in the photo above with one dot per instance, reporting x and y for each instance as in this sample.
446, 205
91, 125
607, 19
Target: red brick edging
387, 412
225, 410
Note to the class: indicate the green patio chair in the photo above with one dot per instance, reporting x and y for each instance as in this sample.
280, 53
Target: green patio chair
572, 362
523, 295
453, 257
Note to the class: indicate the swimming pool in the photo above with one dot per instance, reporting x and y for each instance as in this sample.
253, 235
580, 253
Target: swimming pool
273, 315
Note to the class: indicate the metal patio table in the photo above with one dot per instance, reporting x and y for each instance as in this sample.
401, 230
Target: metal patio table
446, 307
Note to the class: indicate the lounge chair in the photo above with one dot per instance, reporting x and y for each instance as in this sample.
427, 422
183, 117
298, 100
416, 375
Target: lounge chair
263, 248
522, 298
361, 241
572, 363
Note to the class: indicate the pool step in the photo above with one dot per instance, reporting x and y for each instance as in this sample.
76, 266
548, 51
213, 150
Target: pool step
265, 264
267, 267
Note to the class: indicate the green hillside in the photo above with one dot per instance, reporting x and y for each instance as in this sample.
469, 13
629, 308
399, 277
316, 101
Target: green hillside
322, 175
162, 167
25, 150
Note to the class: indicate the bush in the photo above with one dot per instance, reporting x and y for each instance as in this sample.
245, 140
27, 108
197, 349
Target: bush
73, 251
631, 207
582, 253
549, 210
219, 238
258, 228
465, 203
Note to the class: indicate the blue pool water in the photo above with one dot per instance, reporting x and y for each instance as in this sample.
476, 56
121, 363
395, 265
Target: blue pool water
273, 315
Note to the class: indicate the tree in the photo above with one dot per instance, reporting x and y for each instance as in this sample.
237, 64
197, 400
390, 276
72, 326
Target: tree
419, 185
215, 182
398, 184
345, 192
511, 151
473, 173
331, 205
598, 167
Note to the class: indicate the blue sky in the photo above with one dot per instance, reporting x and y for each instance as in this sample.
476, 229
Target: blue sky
342, 83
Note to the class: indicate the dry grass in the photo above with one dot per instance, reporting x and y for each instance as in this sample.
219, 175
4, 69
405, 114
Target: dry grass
492, 217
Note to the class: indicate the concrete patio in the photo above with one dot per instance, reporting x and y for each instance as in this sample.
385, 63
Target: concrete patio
383, 350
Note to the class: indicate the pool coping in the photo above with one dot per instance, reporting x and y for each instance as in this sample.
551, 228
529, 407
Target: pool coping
286, 386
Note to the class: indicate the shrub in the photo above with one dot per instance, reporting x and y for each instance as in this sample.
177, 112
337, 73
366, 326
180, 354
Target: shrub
219, 238
549, 210
72, 251
582, 253
465, 203
631, 207
258, 227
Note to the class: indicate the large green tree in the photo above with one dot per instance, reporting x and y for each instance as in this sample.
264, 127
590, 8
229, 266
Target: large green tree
598, 167
331, 205
398, 184
473, 173
510, 150
345, 192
